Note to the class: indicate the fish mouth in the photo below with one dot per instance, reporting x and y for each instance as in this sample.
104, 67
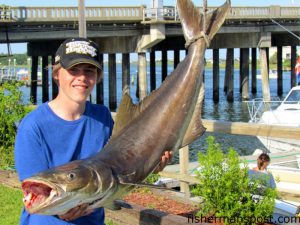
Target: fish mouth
38, 194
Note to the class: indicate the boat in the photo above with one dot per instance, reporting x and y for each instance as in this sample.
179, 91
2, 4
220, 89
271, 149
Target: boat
272, 75
282, 113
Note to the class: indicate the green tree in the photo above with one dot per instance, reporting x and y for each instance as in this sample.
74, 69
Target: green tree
11, 112
227, 191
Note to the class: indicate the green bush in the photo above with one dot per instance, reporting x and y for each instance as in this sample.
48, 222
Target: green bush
11, 111
227, 190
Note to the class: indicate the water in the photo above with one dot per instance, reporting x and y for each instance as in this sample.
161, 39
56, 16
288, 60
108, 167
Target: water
224, 111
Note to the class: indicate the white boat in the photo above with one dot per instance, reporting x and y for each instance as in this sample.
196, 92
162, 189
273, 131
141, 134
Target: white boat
282, 113
272, 75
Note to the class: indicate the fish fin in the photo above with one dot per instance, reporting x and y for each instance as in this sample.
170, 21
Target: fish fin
195, 128
192, 21
125, 113
128, 111
146, 185
112, 206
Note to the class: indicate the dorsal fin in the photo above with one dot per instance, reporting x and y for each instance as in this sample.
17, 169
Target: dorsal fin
126, 112
195, 128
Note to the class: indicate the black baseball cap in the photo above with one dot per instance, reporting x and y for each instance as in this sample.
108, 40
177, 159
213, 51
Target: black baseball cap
74, 51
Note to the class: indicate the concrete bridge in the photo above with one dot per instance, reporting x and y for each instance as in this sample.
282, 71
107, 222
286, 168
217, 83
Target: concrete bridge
138, 29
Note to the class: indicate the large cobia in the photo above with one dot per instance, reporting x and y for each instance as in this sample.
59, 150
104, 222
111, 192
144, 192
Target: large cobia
167, 119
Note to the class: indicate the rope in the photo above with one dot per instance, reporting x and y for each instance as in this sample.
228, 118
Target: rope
285, 29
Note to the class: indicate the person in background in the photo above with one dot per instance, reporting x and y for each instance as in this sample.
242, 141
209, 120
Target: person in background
263, 162
67, 128
297, 70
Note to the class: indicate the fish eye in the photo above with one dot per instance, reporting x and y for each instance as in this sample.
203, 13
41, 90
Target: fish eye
71, 176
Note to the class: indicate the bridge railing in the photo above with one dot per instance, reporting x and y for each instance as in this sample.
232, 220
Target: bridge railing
135, 13
244, 13
40, 14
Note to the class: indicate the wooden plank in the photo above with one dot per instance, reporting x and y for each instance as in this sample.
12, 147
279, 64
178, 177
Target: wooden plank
252, 129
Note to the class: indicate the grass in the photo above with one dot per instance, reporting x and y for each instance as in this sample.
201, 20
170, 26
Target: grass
11, 206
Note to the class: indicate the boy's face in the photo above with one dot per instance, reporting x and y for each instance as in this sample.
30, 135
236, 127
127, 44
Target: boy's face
77, 82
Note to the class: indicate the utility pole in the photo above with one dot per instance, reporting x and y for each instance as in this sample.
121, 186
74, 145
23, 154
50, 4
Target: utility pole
81, 19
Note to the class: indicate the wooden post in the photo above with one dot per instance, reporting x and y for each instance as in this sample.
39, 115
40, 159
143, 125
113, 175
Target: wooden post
112, 78
216, 72
45, 79
279, 71
33, 82
229, 71
81, 19
152, 71
184, 162
293, 64
54, 85
241, 70
264, 74
164, 65
99, 86
176, 58
253, 70
245, 73
125, 70
142, 68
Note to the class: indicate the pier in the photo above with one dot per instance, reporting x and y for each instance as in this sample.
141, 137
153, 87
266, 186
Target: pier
147, 31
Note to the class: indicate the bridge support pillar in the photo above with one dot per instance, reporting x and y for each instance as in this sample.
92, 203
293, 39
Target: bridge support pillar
253, 70
264, 74
125, 70
33, 80
142, 74
112, 79
45, 80
54, 85
229, 74
216, 74
279, 70
164, 65
152, 71
99, 86
245, 73
176, 57
293, 64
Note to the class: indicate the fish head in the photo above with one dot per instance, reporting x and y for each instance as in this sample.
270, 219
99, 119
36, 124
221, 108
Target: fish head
62, 188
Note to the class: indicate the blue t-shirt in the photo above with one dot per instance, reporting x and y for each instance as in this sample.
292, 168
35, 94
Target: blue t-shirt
45, 140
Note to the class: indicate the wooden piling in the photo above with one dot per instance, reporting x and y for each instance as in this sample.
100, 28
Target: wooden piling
45, 80
253, 70
229, 73
176, 58
152, 71
142, 69
164, 65
216, 74
293, 64
125, 70
112, 79
54, 85
279, 71
264, 74
99, 86
245, 73
184, 163
33, 81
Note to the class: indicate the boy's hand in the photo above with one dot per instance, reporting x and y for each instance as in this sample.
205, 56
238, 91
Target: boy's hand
165, 159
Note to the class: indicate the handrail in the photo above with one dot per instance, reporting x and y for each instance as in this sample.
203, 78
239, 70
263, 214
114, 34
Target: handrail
135, 13
37, 14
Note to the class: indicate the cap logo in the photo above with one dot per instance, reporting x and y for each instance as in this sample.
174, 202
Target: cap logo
81, 47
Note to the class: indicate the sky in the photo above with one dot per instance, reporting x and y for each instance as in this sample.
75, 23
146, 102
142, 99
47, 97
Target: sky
21, 47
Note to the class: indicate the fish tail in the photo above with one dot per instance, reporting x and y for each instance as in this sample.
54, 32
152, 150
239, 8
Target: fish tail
192, 21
